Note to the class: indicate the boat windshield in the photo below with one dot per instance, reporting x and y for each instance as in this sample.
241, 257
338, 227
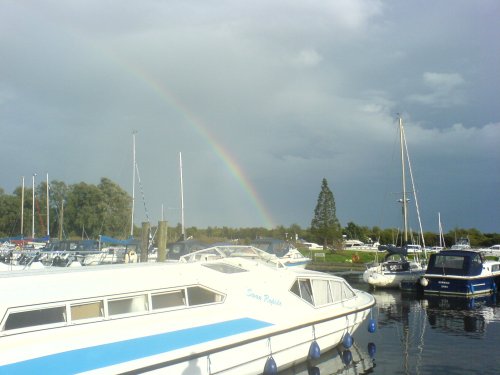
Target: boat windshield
220, 252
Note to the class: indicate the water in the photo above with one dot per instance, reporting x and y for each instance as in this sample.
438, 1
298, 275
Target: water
438, 335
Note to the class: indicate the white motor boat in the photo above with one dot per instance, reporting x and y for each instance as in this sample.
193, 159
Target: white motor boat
222, 310
284, 250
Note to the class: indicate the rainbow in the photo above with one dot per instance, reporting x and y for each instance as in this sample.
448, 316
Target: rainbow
200, 128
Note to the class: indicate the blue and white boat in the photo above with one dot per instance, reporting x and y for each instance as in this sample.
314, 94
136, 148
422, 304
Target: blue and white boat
460, 272
222, 310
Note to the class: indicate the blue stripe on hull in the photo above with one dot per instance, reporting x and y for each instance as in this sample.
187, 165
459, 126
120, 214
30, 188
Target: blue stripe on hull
99, 356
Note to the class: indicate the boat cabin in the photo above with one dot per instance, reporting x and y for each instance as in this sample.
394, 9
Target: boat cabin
458, 263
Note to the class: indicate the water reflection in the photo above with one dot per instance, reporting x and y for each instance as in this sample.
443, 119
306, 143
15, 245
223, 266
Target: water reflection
466, 317
339, 360
432, 334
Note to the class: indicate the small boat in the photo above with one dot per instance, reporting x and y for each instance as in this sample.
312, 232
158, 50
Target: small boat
221, 310
460, 272
284, 250
360, 246
463, 243
396, 267
175, 250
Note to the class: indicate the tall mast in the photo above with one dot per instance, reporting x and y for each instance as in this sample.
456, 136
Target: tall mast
133, 184
441, 234
182, 198
404, 200
22, 208
33, 210
48, 230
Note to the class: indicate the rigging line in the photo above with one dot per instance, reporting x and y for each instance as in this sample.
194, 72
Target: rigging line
142, 192
415, 195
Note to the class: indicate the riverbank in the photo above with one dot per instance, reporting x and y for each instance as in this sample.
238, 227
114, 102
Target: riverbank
335, 266
340, 260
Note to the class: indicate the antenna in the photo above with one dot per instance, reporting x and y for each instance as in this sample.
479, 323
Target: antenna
33, 210
182, 198
134, 132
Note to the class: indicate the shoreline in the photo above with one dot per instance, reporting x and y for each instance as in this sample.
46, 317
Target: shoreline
335, 266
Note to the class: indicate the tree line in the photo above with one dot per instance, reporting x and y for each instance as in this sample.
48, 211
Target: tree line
86, 211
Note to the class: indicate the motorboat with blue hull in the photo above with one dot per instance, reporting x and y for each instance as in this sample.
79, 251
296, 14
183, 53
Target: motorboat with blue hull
222, 310
460, 272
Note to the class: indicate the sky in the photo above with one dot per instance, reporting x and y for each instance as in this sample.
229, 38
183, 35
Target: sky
263, 99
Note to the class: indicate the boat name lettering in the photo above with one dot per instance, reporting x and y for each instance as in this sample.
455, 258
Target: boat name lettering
266, 298
443, 282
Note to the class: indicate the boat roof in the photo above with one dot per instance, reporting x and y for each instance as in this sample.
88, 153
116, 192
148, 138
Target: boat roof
462, 253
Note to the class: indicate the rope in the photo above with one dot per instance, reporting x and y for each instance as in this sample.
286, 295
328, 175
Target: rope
142, 192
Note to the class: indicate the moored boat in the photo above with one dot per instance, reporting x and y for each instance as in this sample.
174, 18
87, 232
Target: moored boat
460, 272
284, 250
394, 269
225, 310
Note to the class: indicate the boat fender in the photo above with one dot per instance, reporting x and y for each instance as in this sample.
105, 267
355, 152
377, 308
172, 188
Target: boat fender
131, 257
372, 349
314, 350
372, 326
494, 287
424, 282
313, 371
346, 357
270, 367
347, 340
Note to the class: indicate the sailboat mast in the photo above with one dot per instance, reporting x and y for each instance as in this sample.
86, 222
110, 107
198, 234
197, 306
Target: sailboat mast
48, 230
182, 197
133, 185
441, 235
404, 201
22, 208
33, 210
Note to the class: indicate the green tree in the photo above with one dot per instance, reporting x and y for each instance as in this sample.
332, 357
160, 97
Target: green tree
84, 210
117, 206
9, 215
325, 226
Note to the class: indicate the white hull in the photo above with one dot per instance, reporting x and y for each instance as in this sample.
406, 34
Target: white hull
378, 277
209, 319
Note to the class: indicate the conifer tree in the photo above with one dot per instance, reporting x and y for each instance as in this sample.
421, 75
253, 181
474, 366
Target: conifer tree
325, 226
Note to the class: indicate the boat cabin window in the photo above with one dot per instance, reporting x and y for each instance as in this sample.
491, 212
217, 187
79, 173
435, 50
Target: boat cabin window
128, 305
37, 317
449, 262
319, 292
89, 310
303, 288
168, 299
201, 296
